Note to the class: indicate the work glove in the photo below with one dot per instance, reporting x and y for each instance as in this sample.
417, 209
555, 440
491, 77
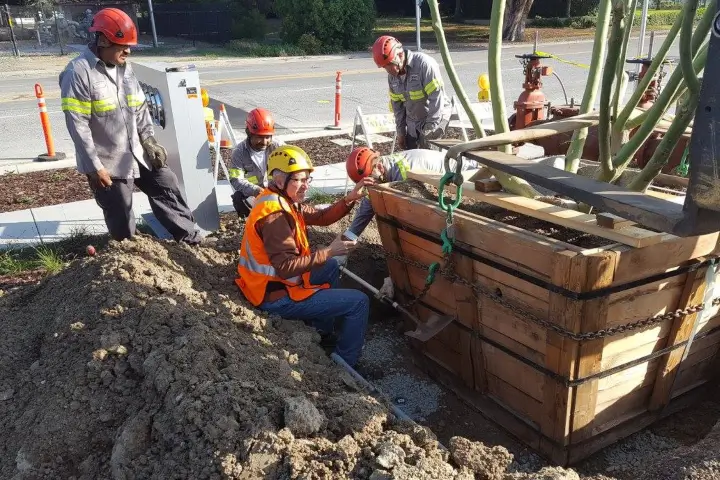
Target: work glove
156, 153
387, 289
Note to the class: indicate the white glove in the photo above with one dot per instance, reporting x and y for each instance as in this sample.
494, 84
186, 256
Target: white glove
341, 260
387, 288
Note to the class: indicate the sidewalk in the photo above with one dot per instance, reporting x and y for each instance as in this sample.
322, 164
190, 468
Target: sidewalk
49, 224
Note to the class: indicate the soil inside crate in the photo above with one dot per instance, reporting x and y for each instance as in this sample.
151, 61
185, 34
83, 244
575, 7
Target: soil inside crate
540, 227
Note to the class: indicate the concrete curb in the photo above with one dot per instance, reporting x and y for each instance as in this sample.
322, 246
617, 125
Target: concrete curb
34, 166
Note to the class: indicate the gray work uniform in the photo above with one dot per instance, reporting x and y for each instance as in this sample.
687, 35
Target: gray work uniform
107, 117
396, 167
418, 98
248, 168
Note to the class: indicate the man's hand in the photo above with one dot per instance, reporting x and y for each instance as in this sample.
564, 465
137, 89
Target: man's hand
340, 247
401, 142
156, 153
359, 191
100, 179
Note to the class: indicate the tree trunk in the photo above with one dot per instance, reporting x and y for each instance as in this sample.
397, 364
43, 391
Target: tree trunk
516, 15
458, 10
569, 6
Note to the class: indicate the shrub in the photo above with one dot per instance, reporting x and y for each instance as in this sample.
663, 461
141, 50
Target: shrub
250, 24
310, 44
246, 48
337, 24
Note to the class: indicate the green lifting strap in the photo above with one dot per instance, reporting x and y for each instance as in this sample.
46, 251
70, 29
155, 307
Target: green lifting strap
441, 198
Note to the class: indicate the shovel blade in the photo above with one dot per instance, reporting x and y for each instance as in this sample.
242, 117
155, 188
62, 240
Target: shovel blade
424, 331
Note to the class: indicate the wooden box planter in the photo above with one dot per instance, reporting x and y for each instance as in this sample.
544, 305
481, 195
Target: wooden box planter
563, 396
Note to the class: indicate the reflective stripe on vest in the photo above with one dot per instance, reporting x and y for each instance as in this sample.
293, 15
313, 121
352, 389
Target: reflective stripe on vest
254, 268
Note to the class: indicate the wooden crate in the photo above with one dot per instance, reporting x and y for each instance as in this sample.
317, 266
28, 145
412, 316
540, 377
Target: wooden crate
530, 378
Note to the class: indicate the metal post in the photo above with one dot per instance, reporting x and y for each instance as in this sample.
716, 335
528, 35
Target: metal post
16, 52
59, 33
152, 23
418, 13
643, 27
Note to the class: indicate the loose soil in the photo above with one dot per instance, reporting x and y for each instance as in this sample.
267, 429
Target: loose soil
145, 362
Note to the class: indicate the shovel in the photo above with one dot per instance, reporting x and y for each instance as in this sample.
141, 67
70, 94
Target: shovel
424, 330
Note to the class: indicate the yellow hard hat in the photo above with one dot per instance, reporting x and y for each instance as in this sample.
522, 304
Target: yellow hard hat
289, 159
484, 81
205, 97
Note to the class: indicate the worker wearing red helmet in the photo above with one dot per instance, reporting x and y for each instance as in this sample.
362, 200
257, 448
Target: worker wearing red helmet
417, 94
364, 162
110, 124
248, 166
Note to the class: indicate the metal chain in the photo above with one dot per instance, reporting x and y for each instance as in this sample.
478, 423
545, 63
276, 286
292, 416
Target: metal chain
479, 290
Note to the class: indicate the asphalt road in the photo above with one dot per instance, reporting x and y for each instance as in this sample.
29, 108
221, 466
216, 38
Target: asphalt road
300, 93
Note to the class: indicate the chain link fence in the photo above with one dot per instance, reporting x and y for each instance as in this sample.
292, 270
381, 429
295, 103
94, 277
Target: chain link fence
50, 29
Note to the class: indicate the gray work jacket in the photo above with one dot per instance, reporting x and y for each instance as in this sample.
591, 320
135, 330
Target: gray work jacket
248, 168
106, 115
418, 98
396, 167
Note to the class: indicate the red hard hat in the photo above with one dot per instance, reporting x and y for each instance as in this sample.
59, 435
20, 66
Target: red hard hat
385, 50
260, 122
116, 25
360, 163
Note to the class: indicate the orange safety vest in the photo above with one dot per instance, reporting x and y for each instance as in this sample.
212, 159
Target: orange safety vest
254, 267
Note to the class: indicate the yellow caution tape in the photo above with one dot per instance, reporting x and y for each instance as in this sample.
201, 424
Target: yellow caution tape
570, 62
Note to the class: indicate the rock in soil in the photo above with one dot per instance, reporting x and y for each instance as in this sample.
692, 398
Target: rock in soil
484, 462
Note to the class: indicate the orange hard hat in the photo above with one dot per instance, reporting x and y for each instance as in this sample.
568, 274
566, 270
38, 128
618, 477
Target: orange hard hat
116, 25
359, 163
260, 122
385, 50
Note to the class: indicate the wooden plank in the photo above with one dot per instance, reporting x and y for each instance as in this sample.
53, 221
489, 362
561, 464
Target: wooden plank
391, 243
645, 305
513, 345
600, 271
701, 372
518, 246
627, 381
644, 209
514, 372
467, 311
515, 296
619, 406
672, 252
608, 220
699, 356
561, 352
619, 357
509, 324
518, 401
682, 327
583, 222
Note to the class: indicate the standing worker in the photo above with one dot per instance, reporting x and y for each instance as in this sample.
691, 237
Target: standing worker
277, 271
364, 162
108, 119
417, 94
248, 165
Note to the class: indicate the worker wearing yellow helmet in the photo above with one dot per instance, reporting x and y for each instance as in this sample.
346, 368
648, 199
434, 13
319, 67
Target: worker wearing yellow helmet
277, 270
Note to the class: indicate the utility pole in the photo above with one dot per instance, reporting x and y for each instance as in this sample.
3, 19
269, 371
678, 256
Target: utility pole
643, 27
152, 23
418, 4
16, 52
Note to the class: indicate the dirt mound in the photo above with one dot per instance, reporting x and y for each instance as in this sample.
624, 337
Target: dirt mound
143, 362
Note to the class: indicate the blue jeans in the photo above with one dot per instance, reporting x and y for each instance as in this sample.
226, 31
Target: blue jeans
321, 309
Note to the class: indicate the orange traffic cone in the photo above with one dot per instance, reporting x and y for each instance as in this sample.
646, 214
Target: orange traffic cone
224, 142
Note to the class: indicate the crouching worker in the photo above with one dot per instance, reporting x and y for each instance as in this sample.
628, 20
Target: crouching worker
248, 165
278, 272
364, 162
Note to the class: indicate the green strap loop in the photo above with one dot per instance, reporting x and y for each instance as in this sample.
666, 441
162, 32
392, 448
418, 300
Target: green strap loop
447, 245
441, 198
431, 274
684, 168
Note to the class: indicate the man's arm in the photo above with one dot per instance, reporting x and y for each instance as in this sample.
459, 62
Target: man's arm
363, 217
326, 216
142, 112
432, 84
398, 106
279, 240
77, 106
235, 171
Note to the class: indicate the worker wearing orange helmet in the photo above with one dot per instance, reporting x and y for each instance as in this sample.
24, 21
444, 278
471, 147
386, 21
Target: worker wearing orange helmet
277, 270
248, 165
417, 93
108, 119
364, 162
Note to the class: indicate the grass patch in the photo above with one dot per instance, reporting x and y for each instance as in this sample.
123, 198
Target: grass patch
249, 48
49, 259
318, 197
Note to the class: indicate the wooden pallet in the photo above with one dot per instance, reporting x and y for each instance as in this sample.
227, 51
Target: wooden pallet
509, 365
